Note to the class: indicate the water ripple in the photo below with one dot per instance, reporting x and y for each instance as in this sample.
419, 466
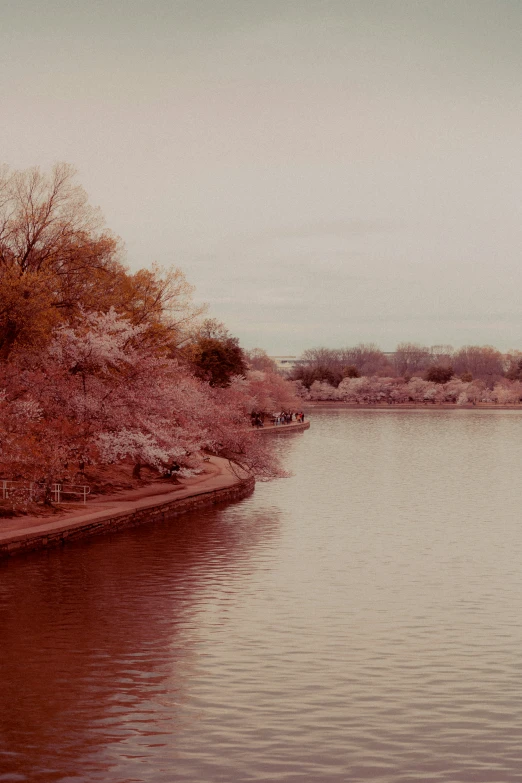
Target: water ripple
357, 622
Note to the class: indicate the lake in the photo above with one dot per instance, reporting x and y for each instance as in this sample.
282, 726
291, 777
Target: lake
360, 621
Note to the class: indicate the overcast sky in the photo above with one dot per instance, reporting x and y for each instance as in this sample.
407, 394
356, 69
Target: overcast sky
325, 172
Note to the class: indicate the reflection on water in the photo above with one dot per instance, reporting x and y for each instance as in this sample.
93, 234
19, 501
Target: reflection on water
100, 642
359, 621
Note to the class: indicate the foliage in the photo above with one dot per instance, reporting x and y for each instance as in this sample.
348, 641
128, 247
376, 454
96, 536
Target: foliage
410, 358
367, 358
257, 359
270, 392
55, 255
319, 365
161, 301
375, 390
98, 364
57, 259
327, 365
514, 366
215, 355
483, 362
439, 373
98, 394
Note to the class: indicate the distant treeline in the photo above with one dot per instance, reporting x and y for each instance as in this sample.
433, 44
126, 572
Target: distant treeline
436, 364
378, 390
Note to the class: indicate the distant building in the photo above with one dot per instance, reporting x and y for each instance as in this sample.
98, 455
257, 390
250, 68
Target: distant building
287, 363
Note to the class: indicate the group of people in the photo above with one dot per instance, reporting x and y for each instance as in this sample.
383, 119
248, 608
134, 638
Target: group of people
258, 419
285, 417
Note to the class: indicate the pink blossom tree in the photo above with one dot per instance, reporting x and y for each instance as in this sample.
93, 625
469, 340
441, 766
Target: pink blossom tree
98, 394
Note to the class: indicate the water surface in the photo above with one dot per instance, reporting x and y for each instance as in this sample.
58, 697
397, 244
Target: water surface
358, 622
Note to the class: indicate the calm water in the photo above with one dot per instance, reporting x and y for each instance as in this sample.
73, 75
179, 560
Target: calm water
358, 622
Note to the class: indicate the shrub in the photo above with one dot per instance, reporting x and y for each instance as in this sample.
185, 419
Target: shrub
439, 373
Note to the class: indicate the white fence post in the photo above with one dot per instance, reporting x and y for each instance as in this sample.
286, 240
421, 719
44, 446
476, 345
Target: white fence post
58, 490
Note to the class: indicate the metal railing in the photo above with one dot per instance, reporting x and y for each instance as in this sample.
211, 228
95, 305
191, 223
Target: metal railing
58, 490
81, 490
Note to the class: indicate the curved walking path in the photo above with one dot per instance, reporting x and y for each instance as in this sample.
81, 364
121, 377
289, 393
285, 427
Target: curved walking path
218, 483
157, 501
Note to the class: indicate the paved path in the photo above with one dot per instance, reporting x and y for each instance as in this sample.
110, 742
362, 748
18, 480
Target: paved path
220, 480
218, 475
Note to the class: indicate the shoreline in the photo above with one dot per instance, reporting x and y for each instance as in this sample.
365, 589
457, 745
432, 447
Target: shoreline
446, 406
151, 503
281, 429
155, 502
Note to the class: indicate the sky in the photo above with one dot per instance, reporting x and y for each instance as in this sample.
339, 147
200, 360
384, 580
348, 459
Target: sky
325, 172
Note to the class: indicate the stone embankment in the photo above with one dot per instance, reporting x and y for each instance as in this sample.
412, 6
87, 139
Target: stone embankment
157, 502
283, 429
154, 503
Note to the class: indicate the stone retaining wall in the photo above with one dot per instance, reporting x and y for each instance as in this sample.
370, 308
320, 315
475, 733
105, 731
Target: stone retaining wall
284, 429
27, 542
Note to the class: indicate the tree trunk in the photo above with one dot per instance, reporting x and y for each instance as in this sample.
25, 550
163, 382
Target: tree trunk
136, 471
7, 340
48, 489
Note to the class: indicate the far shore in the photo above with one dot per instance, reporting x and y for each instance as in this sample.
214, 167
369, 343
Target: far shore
441, 406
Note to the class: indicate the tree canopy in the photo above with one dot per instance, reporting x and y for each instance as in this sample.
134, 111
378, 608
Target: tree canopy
214, 354
101, 364
58, 259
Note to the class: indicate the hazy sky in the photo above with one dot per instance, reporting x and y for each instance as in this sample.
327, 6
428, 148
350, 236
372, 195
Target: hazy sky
324, 172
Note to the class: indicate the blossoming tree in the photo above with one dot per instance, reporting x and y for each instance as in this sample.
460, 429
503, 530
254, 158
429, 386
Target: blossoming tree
99, 394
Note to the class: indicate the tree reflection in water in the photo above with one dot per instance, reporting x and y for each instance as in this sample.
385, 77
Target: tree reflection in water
99, 640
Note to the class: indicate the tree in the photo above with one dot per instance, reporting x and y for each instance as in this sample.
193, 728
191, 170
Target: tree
57, 259
513, 363
441, 354
453, 389
55, 255
161, 301
270, 392
257, 359
214, 354
97, 363
507, 393
439, 373
367, 358
319, 364
420, 390
473, 392
100, 397
410, 358
321, 390
481, 361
